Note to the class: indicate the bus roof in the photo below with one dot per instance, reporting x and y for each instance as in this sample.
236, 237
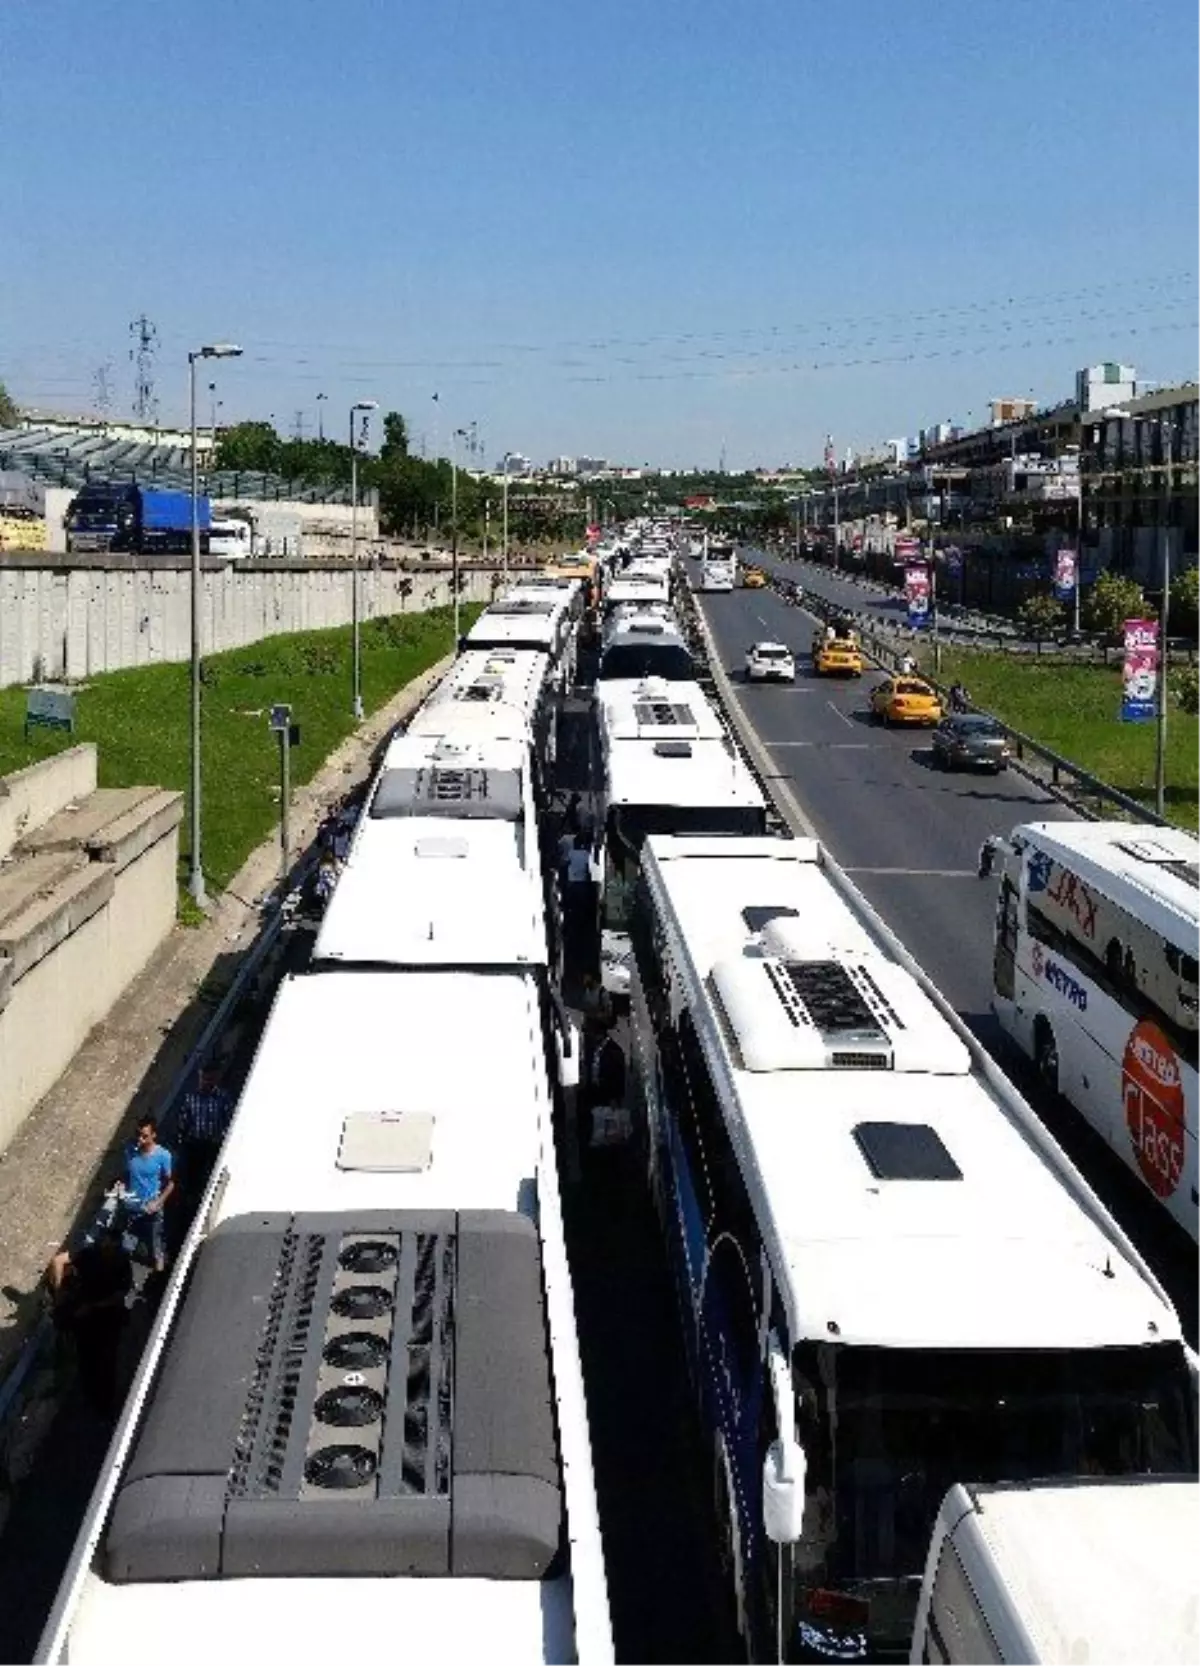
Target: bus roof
650, 708
486, 691
1154, 872
443, 868
701, 773
985, 1246
460, 1048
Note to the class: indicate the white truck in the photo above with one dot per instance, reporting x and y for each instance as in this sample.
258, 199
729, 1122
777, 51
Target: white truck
1094, 1569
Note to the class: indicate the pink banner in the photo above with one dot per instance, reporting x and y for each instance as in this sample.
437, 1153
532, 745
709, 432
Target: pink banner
1139, 680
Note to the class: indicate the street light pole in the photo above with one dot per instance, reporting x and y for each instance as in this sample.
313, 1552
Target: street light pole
219, 350
504, 526
321, 416
1160, 739
356, 632
458, 434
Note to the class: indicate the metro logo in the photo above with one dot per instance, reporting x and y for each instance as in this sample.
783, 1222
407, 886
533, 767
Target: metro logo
1152, 1093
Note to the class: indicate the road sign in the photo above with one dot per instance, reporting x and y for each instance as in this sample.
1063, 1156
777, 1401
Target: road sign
281, 717
49, 708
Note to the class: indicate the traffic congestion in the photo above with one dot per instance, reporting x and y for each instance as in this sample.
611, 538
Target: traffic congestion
763, 1004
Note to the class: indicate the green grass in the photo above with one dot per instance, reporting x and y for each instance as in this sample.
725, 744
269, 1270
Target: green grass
1075, 710
140, 721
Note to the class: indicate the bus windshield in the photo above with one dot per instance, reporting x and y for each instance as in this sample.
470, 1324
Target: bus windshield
909, 1424
629, 825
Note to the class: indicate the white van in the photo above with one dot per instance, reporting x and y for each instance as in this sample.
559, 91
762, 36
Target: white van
1096, 1569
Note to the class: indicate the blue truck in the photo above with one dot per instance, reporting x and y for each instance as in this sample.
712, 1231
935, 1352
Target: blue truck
140, 520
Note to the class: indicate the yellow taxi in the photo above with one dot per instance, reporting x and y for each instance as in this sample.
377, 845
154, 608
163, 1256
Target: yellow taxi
906, 700
837, 656
753, 578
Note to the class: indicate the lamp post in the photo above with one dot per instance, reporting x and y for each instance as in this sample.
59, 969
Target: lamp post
458, 434
218, 350
364, 405
321, 398
504, 525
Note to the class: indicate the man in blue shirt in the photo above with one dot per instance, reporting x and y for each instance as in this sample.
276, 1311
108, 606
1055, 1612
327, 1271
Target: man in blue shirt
148, 1184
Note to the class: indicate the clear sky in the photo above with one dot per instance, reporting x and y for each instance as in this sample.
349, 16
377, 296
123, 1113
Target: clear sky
650, 232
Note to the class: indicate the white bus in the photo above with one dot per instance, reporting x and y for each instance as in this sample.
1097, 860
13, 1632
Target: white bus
444, 867
889, 1276
1094, 977
1053, 1571
500, 693
718, 567
669, 766
533, 619
361, 1411
638, 644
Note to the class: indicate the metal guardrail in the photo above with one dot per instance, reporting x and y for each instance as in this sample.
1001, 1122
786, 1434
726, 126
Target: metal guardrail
40, 1338
1077, 786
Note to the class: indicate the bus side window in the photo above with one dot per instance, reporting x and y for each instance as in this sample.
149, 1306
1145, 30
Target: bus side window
956, 1629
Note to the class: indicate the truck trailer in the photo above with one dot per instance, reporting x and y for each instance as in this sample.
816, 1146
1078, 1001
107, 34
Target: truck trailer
133, 519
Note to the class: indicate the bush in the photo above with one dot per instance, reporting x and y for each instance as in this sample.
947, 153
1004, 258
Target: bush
1112, 600
1185, 685
1040, 614
1185, 597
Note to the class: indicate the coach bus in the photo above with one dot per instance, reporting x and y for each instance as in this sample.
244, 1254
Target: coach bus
1094, 977
889, 1277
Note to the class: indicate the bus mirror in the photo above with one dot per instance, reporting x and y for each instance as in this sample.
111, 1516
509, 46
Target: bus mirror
783, 1491
566, 1047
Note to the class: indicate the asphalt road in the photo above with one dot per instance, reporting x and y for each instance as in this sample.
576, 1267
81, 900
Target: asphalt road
909, 835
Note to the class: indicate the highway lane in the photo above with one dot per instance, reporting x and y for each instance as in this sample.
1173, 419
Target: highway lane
908, 833
910, 836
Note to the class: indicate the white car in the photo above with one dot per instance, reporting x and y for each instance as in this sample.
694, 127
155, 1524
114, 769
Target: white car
770, 660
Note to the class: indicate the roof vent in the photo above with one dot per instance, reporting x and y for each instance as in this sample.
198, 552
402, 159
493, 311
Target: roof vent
673, 748
905, 1151
1162, 855
663, 714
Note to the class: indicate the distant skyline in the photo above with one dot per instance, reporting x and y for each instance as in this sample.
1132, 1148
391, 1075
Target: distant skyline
652, 234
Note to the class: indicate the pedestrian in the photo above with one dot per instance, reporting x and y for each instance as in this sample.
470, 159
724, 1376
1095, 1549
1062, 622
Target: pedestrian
572, 822
960, 700
149, 1183
908, 665
89, 1289
204, 1119
325, 880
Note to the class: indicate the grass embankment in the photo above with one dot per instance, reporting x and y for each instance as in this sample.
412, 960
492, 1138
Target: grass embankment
1075, 711
141, 721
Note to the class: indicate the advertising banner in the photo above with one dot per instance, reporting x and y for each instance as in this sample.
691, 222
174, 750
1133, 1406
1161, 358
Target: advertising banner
1139, 680
906, 548
916, 590
1065, 574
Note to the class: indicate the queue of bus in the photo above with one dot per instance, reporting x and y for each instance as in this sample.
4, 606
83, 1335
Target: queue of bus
892, 1285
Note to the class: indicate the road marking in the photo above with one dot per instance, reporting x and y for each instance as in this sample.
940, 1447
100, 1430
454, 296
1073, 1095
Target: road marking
920, 873
829, 745
838, 713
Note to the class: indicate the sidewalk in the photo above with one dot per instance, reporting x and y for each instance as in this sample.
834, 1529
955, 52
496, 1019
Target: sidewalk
129, 1061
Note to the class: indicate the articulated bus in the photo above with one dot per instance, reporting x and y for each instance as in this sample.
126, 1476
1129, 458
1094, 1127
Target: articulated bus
889, 1276
1094, 977
361, 1412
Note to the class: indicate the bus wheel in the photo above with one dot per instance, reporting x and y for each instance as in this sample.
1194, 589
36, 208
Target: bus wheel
729, 1535
1045, 1055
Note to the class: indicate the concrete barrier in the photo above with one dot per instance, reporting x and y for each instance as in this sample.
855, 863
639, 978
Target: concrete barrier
86, 897
29, 797
72, 618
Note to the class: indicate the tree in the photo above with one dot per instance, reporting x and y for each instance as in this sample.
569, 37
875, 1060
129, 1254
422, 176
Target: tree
395, 436
1040, 614
1185, 594
249, 447
1113, 599
9, 414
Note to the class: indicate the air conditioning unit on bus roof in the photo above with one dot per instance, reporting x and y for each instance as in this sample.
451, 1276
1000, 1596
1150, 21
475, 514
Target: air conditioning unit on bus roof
796, 1005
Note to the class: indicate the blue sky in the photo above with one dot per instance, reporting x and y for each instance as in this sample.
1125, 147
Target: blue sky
651, 232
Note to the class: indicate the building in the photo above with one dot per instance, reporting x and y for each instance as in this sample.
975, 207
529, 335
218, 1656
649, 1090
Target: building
1011, 410
561, 467
590, 465
1104, 385
513, 463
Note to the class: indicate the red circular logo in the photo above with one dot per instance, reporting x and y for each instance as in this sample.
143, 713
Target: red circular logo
1152, 1091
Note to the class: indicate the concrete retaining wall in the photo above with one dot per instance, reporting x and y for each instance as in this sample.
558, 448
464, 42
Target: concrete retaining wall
29, 797
72, 620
